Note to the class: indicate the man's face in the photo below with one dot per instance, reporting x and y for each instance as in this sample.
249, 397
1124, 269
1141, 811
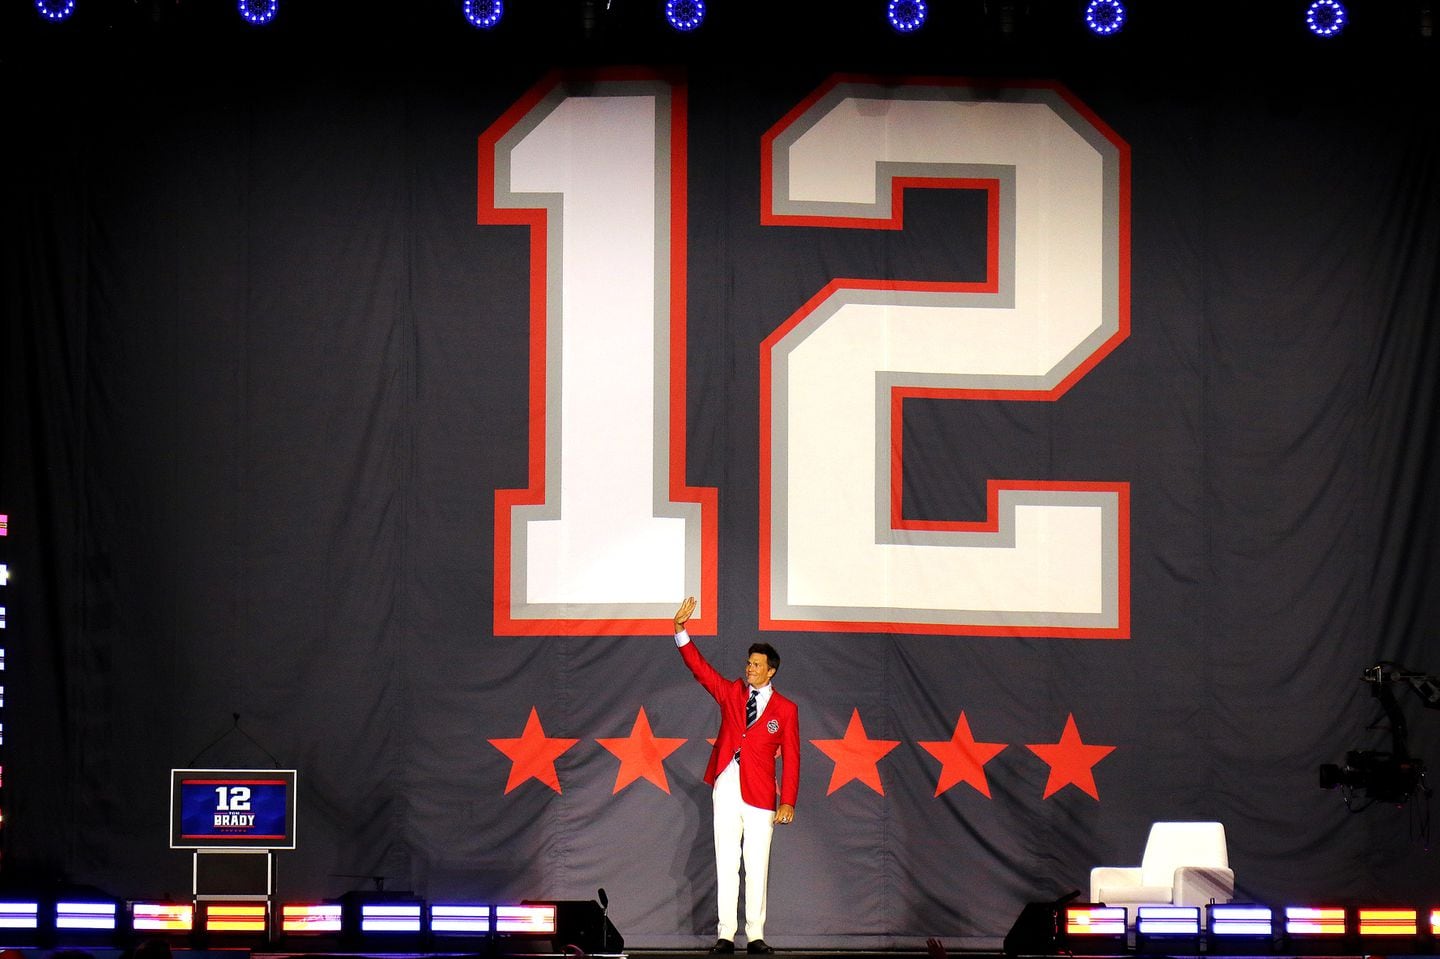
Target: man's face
757, 670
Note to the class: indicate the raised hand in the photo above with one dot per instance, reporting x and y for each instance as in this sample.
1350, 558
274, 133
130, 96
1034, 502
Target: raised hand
683, 614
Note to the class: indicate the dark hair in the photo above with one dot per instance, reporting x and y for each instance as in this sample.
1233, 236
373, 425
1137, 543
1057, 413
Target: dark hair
768, 651
153, 949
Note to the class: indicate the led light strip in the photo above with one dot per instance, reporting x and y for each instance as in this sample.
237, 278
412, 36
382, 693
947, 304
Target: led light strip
1095, 921
237, 917
1248, 921
85, 915
525, 919
161, 916
1388, 922
20, 915
460, 918
376, 917
309, 918
4, 582
1315, 921
1168, 920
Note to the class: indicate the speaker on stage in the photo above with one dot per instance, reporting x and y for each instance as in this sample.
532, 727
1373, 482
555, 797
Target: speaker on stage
1036, 931
586, 923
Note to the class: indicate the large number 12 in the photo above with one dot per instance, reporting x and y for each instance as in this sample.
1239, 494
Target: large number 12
608, 534
232, 798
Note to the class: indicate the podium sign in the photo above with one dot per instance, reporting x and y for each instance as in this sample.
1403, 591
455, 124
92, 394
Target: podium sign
232, 809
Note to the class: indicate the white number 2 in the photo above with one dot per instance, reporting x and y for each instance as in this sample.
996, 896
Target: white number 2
1051, 558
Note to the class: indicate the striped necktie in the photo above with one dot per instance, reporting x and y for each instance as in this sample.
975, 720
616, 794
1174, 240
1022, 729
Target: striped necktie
749, 715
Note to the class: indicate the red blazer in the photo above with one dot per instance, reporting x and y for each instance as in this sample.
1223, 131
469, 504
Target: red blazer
778, 726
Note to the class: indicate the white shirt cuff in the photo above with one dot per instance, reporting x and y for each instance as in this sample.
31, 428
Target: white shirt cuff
681, 638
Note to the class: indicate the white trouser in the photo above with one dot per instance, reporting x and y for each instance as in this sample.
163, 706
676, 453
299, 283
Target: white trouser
740, 829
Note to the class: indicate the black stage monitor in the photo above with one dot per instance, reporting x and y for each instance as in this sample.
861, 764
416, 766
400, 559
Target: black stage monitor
232, 809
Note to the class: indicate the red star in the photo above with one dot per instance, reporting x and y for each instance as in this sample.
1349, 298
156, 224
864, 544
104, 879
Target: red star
1070, 760
962, 759
855, 756
533, 755
641, 754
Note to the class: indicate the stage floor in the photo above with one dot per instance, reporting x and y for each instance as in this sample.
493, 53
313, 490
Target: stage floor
271, 951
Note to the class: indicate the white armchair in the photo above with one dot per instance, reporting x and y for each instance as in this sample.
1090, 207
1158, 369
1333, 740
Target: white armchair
1185, 864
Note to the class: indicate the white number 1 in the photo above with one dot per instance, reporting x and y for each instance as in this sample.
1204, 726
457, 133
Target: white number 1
607, 538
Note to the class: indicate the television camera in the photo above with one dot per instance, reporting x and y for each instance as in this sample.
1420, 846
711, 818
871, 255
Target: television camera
1389, 777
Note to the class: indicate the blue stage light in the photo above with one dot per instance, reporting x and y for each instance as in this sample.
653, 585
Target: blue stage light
258, 12
484, 14
19, 914
459, 919
1105, 17
906, 16
84, 915
55, 10
684, 15
1325, 18
1240, 921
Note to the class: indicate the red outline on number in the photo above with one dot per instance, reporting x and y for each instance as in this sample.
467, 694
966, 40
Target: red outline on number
534, 493
898, 395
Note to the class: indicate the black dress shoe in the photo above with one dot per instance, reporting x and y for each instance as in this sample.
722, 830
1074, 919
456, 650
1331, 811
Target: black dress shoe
759, 947
722, 947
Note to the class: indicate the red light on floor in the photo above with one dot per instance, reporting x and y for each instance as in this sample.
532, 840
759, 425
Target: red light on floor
1387, 922
536, 919
1095, 921
235, 917
161, 916
308, 919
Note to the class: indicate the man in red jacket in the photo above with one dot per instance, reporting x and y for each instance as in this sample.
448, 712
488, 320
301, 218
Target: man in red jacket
756, 723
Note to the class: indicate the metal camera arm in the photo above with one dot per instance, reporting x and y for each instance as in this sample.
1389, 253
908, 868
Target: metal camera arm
1426, 685
1381, 677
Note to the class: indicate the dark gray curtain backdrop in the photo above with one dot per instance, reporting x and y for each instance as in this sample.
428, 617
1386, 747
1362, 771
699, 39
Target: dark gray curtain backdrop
263, 374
